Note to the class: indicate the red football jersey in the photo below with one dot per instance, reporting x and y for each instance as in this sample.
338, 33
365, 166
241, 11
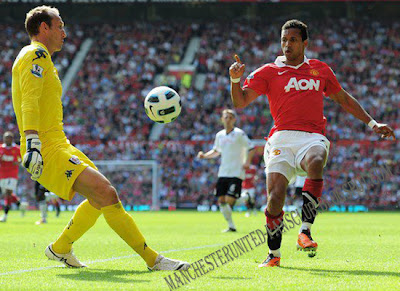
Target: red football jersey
10, 158
295, 94
249, 179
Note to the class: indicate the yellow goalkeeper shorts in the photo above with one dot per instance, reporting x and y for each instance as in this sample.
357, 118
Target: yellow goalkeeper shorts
62, 164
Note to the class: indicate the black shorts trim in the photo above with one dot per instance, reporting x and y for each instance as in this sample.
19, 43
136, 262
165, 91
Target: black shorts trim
229, 187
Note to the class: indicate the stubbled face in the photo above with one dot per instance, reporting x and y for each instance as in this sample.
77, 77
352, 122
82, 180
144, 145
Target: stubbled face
292, 45
56, 33
228, 120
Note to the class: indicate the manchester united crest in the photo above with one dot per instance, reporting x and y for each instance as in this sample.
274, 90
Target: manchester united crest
276, 152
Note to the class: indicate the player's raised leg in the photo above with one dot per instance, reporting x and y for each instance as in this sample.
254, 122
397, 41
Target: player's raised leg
313, 163
276, 185
103, 198
83, 219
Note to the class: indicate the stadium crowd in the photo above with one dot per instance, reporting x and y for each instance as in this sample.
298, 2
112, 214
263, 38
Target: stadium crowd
106, 99
103, 112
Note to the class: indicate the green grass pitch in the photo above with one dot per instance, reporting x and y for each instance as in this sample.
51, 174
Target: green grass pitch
356, 252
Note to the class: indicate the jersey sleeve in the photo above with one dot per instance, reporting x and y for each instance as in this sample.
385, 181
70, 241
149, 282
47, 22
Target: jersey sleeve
332, 85
217, 144
246, 141
33, 69
257, 81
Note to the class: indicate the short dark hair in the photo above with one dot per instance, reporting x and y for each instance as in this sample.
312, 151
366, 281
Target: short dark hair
36, 16
294, 23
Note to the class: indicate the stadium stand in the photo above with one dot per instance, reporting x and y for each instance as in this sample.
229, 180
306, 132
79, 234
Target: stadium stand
104, 115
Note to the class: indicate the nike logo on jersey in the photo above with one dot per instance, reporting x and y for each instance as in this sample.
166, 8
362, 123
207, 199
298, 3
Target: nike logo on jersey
281, 73
302, 84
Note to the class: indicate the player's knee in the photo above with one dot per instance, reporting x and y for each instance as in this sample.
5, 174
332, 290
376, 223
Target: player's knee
111, 195
106, 194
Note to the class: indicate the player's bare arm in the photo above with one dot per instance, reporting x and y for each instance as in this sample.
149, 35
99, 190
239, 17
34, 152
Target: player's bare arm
18, 161
351, 105
240, 98
250, 156
208, 155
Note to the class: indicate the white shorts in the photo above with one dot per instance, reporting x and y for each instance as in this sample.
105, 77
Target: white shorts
285, 150
8, 184
251, 192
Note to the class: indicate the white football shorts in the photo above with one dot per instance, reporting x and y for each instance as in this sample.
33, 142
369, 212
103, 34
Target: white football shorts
8, 184
251, 192
285, 150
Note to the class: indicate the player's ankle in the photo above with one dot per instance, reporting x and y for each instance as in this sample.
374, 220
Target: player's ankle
276, 253
305, 226
61, 249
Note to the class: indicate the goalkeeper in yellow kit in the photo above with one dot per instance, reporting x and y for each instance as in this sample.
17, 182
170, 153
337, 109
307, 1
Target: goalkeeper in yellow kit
52, 160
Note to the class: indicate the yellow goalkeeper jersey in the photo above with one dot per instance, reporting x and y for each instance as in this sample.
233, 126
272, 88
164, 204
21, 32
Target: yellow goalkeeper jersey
36, 92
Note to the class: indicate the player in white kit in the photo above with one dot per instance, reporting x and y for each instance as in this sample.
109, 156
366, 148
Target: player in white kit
236, 151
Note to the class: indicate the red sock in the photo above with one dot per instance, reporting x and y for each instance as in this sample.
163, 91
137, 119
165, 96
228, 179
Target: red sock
274, 221
312, 191
314, 187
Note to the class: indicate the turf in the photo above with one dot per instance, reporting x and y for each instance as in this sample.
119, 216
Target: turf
356, 252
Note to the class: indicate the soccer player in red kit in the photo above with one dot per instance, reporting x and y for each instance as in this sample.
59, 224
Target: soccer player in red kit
295, 87
9, 164
249, 189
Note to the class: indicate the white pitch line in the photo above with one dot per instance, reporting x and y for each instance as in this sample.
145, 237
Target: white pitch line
106, 260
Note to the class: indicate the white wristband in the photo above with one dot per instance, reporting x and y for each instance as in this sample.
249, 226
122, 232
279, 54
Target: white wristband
32, 135
237, 80
372, 123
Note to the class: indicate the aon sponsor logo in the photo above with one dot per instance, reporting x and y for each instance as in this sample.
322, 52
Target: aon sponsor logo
302, 84
6, 158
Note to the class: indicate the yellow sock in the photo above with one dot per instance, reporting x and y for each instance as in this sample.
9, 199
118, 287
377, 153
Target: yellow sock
124, 225
84, 218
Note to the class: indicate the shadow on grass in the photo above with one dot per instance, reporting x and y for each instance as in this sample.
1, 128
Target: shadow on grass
119, 276
324, 272
231, 278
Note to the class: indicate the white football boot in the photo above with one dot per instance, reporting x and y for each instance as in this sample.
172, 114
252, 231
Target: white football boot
67, 259
166, 264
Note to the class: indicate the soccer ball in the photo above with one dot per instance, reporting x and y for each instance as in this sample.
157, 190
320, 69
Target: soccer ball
162, 104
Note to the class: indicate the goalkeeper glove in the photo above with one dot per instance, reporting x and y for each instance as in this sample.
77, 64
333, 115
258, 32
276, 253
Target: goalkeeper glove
33, 160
